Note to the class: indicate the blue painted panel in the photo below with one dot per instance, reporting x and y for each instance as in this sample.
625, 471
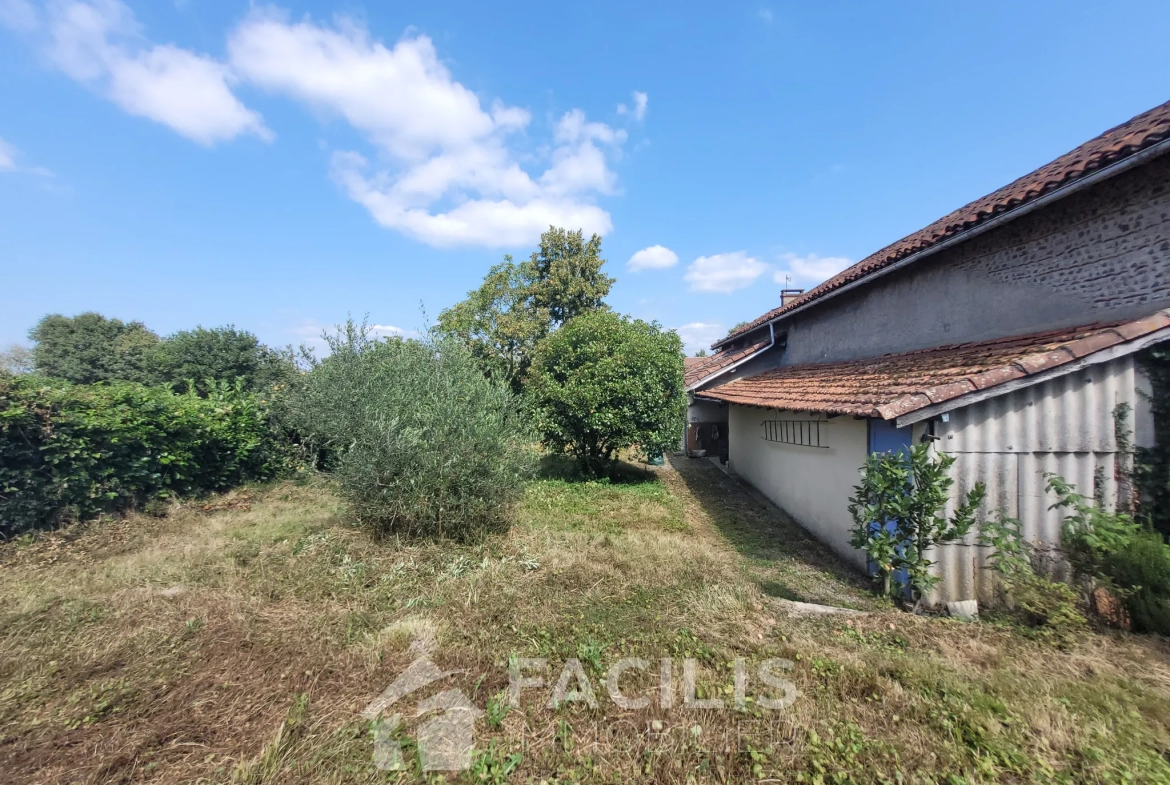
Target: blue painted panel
884, 436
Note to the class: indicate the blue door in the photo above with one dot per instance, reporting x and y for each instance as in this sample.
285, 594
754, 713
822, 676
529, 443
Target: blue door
885, 436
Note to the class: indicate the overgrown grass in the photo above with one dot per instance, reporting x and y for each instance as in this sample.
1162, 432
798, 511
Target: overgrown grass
240, 643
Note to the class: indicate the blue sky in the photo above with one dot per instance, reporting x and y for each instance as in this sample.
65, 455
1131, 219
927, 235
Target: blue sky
281, 166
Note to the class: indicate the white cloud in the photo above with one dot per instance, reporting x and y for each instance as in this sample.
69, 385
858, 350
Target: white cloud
725, 272
101, 43
18, 15
7, 156
639, 110
656, 257
640, 102
808, 271
446, 174
386, 330
699, 335
9, 162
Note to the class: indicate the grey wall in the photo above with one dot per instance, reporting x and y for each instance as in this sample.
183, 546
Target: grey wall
1100, 255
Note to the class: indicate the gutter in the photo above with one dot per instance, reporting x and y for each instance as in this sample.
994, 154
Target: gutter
1115, 168
734, 365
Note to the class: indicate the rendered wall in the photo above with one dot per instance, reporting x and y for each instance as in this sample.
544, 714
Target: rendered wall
811, 484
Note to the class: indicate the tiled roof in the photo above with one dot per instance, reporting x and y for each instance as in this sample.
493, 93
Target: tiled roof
1143, 131
718, 361
896, 384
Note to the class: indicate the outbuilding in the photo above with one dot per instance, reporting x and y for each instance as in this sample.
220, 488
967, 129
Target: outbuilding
1004, 334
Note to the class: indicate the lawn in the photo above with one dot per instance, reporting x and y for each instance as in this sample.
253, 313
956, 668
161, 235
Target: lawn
238, 639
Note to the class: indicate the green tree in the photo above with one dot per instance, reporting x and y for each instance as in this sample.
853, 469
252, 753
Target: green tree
604, 382
518, 304
567, 276
204, 356
498, 322
90, 348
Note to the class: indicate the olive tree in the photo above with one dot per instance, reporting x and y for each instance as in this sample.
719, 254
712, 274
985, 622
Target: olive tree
604, 382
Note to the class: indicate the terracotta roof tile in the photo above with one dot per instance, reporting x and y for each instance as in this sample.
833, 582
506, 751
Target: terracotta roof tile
710, 366
896, 384
1131, 137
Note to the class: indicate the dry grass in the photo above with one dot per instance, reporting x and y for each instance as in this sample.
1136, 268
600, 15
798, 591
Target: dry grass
239, 641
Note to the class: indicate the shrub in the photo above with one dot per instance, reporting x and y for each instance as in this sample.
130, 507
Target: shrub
604, 382
77, 450
419, 440
1141, 569
1110, 547
906, 492
1042, 603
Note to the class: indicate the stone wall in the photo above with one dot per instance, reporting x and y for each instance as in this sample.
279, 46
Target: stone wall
1099, 255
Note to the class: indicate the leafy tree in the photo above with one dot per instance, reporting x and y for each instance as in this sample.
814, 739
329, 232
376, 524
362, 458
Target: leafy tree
90, 348
603, 382
568, 280
204, 356
701, 353
16, 360
498, 322
518, 304
898, 516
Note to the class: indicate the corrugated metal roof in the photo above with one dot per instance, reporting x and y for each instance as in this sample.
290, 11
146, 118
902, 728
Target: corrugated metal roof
896, 384
1139, 133
717, 362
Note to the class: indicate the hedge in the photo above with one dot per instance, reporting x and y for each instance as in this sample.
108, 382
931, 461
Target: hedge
73, 451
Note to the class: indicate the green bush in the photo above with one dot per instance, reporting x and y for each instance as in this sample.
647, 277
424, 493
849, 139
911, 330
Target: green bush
420, 442
1048, 606
604, 382
72, 451
1109, 546
1141, 569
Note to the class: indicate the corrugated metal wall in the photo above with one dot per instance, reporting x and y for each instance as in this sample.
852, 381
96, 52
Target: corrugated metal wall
1008, 442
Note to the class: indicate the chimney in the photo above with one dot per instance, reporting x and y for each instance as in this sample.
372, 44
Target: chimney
788, 295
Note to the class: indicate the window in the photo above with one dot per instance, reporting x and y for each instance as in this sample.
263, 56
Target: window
805, 433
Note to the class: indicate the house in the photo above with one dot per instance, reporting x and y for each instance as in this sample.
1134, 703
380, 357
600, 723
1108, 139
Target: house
1005, 333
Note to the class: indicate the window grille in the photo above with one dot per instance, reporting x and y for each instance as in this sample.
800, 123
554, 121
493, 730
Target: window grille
805, 433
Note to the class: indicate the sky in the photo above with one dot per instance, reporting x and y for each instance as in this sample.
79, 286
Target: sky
281, 167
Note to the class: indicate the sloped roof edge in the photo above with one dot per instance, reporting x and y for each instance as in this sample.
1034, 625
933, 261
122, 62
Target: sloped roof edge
1100, 156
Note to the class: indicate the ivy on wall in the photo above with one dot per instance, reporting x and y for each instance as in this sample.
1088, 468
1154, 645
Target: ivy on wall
1152, 464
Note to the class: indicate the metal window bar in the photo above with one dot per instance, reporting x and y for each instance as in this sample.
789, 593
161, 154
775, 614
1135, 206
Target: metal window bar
804, 433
